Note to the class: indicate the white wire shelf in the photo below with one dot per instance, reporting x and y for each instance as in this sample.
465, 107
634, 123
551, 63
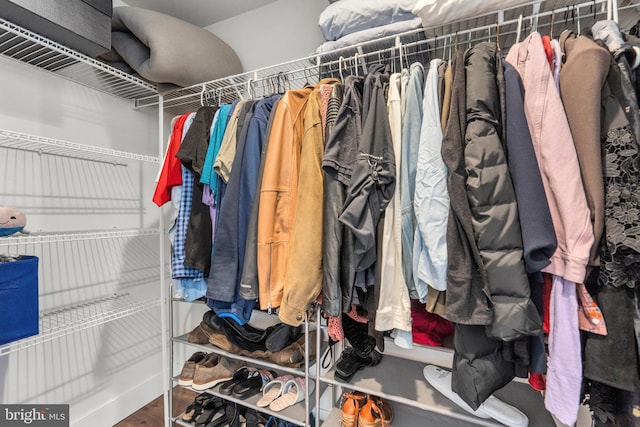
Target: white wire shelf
57, 323
31, 48
57, 147
48, 238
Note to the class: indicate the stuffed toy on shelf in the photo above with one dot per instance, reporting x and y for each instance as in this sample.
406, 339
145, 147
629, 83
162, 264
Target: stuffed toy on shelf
12, 220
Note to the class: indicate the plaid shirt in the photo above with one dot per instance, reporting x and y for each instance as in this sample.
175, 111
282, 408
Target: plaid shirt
178, 269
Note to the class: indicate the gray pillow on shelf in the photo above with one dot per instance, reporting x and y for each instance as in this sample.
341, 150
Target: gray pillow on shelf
164, 49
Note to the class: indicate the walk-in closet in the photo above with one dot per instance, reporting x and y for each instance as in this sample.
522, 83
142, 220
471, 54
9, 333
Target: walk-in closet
320, 213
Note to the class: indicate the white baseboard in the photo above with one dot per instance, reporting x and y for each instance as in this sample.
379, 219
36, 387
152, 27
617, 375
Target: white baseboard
126, 403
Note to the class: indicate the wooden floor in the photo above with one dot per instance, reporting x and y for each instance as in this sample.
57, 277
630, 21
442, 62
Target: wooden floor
152, 414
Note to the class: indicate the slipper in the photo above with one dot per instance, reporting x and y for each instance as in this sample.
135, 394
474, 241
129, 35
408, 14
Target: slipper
293, 392
241, 374
272, 390
253, 385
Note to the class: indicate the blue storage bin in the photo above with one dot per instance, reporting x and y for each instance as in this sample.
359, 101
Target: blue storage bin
19, 314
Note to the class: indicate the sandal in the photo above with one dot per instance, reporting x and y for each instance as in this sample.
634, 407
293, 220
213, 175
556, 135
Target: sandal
377, 412
209, 409
350, 363
293, 392
272, 390
351, 404
253, 385
195, 407
240, 375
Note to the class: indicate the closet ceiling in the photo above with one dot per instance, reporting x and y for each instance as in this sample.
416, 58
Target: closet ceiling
200, 12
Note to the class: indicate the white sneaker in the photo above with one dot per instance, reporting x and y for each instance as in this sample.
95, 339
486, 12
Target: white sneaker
493, 407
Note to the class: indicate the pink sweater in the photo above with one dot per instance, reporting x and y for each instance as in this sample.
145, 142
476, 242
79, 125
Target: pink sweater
557, 160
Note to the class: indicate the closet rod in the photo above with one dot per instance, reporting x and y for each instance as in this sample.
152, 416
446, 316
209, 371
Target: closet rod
311, 66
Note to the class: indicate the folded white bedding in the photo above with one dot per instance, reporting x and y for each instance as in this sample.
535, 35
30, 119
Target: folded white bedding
350, 16
439, 12
369, 34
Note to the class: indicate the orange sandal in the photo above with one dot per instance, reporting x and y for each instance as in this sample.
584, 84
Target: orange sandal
351, 404
377, 412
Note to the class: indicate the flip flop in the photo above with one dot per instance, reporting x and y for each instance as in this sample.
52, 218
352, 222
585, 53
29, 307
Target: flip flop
252, 385
272, 390
240, 375
293, 392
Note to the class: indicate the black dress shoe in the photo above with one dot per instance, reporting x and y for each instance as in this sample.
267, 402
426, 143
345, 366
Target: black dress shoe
350, 363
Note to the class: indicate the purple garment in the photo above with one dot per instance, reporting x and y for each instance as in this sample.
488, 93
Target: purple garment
209, 199
557, 61
564, 372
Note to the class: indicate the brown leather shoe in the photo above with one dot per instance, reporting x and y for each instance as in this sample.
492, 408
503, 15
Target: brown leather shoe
351, 404
377, 412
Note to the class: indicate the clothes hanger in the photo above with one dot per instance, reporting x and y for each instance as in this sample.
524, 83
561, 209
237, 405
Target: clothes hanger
519, 29
612, 10
250, 88
553, 22
444, 48
204, 89
498, 37
578, 17
340, 67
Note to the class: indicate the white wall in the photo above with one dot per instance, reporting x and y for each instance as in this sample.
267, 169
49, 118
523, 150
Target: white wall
277, 32
105, 372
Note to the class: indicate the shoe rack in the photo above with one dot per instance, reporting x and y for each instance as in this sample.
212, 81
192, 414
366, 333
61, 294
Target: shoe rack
298, 414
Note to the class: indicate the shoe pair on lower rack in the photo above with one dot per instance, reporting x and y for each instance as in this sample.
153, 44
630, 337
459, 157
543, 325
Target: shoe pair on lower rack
284, 391
351, 362
211, 411
206, 410
204, 370
362, 410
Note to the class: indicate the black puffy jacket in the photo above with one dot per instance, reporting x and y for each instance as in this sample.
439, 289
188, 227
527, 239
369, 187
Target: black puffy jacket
496, 226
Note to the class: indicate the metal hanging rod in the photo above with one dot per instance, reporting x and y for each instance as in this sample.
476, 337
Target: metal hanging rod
481, 27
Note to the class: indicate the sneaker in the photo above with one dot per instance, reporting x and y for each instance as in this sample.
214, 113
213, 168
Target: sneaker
189, 368
207, 376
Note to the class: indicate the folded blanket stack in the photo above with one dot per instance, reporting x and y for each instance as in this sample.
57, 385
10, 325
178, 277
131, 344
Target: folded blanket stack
167, 50
349, 22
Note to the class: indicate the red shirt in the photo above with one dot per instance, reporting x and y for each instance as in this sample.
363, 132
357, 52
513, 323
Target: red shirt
171, 174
